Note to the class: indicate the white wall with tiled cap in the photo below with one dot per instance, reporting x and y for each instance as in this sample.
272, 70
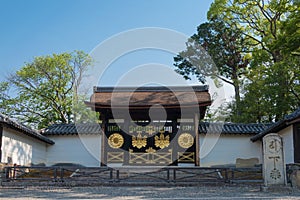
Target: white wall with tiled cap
288, 144
84, 150
22, 149
227, 149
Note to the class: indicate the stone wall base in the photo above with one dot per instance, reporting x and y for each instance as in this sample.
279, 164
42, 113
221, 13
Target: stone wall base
277, 188
295, 179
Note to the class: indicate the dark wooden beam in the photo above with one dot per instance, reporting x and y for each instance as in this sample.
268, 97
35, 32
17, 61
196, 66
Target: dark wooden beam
104, 119
1, 135
197, 153
143, 114
296, 141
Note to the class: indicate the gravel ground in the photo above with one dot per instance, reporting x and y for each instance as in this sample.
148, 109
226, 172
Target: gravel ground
125, 193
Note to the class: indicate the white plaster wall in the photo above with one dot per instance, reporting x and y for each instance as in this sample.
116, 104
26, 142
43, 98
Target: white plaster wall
84, 150
224, 150
288, 144
23, 149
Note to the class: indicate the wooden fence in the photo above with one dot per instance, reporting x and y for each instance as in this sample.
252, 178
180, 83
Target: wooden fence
84, 176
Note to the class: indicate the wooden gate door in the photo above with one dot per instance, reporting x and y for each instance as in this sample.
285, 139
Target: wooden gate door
154, 144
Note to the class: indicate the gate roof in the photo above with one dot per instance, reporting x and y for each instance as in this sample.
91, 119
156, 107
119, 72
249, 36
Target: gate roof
176, 100
145, 97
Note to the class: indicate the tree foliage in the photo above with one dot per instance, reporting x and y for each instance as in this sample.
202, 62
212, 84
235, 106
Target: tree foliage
215, 51
4, 96
255, 47
271, 31
44, 89
260, 21
274, 89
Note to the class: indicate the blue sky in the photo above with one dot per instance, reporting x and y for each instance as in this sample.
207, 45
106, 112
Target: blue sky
38, 27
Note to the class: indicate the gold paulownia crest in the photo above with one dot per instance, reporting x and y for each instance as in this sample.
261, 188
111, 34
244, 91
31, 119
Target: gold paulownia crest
162, 141
115, 140
139, 141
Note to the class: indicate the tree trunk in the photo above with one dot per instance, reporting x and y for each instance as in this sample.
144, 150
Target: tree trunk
237, 95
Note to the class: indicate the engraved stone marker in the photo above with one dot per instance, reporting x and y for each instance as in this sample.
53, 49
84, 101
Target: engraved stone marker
273, 161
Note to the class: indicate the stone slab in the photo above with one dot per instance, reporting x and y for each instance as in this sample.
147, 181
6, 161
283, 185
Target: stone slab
250, 162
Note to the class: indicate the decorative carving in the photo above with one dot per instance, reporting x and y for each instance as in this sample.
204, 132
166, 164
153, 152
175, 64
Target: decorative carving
150, 150
275, 174
150, 157
162, 157
162, 141
275, 160
115, 157
187, 127
186, 156
115, 140
150, 130
275, 146
138, 158
185, 140
112, 128
139, 141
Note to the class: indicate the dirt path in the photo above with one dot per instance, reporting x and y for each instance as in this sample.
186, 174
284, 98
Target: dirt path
165, 193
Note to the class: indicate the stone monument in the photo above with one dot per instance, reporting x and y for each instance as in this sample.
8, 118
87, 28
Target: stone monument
274, 172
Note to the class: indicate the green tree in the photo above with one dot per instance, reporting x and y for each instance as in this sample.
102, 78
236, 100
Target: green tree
260, 21
217, 42
46, 88
271, 31
279, 84
4, 96
262, 101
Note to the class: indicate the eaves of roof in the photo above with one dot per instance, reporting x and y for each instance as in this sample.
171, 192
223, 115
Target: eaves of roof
286, 121
196, 88
231, 128
10, 123
145, 97
72, 129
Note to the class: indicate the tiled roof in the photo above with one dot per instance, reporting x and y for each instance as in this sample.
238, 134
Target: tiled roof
105, 97
204, 127
72, 129
231, 128
6, 121
278, 125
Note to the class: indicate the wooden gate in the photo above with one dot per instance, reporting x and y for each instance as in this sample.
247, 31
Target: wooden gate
156, 143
